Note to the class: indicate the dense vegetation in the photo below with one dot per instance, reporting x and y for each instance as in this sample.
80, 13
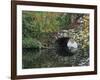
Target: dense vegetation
38, 31
40, 25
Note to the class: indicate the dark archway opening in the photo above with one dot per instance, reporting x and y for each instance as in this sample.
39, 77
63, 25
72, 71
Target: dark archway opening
62, 48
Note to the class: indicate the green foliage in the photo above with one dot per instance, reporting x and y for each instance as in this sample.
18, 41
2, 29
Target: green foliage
65, 21
31, 43
37, 25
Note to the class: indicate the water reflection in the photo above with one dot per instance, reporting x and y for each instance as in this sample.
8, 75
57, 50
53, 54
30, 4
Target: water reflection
63, 51
35, 58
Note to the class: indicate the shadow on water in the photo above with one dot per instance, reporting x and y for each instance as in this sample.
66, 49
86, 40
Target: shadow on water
63, 51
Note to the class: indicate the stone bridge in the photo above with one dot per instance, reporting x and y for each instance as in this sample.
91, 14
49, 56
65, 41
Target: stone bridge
64, 33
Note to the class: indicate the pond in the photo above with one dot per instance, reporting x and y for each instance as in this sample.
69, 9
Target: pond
46, 58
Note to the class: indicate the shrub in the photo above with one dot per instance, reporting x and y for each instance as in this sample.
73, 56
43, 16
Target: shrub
31, 43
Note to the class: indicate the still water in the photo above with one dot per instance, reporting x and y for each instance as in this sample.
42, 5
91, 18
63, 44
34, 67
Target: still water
45, 58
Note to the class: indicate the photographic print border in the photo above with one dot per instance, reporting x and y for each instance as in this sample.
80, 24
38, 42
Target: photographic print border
14, 39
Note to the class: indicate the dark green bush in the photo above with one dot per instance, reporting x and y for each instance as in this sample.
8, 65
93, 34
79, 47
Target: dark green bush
31, 43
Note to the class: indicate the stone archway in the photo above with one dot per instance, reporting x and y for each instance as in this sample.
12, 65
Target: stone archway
61, 47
